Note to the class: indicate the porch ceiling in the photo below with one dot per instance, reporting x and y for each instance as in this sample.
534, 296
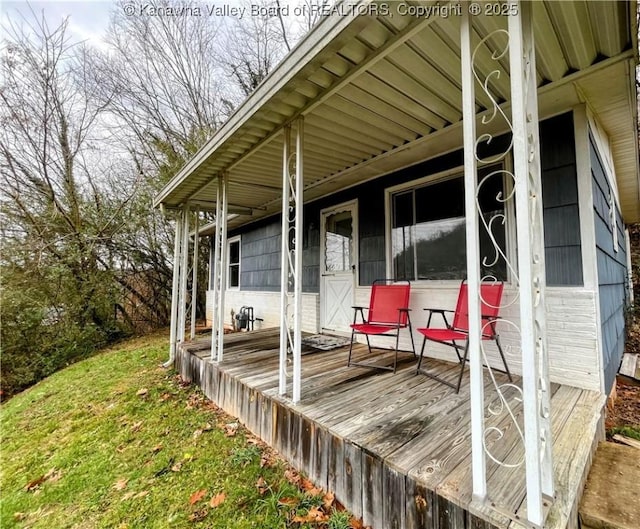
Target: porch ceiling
382, 92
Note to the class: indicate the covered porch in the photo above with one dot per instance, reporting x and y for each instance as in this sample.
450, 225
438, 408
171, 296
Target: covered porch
365, 95
395, 448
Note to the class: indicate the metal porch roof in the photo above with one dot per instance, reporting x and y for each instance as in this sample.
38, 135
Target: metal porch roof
382, 92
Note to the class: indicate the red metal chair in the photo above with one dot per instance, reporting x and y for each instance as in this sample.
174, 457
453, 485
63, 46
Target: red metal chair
388, 312
458, 330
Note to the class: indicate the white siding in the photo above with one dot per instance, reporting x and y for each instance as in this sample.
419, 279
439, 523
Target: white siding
266, 305
571, 324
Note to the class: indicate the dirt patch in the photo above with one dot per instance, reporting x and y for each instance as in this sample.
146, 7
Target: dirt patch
626, 410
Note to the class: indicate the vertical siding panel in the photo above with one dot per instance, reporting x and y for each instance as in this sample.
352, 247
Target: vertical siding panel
612, 269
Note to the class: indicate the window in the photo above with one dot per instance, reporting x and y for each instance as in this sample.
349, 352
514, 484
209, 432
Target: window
428, 239
233, 256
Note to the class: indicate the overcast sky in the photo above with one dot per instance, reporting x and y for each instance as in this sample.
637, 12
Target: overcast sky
88, 19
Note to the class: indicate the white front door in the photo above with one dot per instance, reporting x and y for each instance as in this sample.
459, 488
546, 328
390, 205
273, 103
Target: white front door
338, 261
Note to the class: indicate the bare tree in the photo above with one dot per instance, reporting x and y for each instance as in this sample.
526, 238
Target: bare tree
74, 210
161, 82
52, 200
252, 45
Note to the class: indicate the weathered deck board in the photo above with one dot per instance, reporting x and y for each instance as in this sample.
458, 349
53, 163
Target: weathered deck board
395, 448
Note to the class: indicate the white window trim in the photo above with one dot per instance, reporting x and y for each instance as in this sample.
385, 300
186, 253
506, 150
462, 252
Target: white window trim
230, 241
613, 219
455, 172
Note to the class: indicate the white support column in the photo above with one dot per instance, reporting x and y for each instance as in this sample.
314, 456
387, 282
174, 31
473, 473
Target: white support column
223, 264
473, 262
284, 264
175, 285
530, 240
215, 309
184, 272
194, 277
297, 293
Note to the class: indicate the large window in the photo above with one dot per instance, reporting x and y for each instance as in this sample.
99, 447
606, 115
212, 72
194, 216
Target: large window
428, 228
233, 257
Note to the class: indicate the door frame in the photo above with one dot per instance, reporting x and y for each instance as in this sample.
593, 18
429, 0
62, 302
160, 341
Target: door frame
351, 205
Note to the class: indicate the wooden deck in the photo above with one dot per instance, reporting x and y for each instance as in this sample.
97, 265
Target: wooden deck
395, 448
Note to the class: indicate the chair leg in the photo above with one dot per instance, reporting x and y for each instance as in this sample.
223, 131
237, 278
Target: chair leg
462, 366
395, 358
353, 332
504, 360
424, 342
368, 343
413, 345
457, 349
426, 373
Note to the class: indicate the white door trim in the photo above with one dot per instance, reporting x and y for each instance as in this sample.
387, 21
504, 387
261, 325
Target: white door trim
351, 206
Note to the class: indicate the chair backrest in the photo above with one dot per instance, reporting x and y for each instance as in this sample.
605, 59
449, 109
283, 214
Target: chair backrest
387, 296
490, 299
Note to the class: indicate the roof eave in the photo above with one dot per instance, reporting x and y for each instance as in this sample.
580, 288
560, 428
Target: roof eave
296, 60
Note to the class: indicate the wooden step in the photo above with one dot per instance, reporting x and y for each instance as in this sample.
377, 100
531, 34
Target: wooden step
610, 499
630, 365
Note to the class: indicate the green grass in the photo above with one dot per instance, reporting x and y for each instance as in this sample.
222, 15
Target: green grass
628, 431
116, 441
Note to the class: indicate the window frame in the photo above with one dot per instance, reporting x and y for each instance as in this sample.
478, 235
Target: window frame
230, 241
442, 176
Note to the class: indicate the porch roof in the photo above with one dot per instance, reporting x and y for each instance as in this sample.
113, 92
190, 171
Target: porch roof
379, 93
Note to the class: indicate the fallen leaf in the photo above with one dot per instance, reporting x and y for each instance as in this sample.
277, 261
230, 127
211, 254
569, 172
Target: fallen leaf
217, 499
315, 515
289, 502
128, 495
292, 477
262, 485
177, 467
142, 494
264, 461
164, 397
355, 523
197, 496
121, 484
136, 426
207, 427
198, 515
142, 392
53, 475
157, 448
231, 429
197, 433
327, 500
314, 491
33, 485
307, 485
19, 516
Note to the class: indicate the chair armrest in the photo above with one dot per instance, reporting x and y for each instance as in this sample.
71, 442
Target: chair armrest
356, 309
404, 309
442, 313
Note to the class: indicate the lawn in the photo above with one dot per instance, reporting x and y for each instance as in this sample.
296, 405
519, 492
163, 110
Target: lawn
117, 441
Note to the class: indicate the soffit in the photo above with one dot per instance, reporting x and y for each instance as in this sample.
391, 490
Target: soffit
385, 92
